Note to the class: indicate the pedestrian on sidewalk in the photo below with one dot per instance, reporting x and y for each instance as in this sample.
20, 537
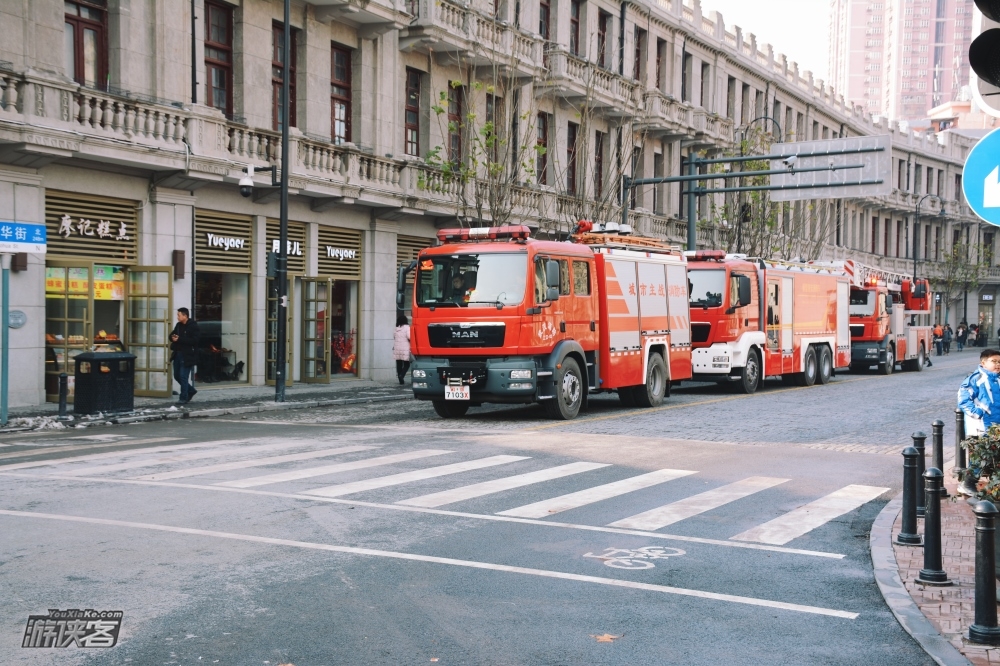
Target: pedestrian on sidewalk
961, 334
979, 399
948, 335
184, 345
972, 335
938, 339
401, 346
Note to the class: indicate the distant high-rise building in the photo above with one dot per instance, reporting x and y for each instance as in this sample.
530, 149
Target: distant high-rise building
900, 58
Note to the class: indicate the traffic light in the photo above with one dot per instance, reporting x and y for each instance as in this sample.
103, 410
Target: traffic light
984, 57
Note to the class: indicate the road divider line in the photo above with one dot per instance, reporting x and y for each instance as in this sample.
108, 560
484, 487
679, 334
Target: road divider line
442, 512
258, 462
429, 559
668, 514
808, 517
310, 472
499, 485
596, 494
416, 475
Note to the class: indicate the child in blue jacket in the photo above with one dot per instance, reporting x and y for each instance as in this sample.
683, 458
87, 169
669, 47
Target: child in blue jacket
979, 398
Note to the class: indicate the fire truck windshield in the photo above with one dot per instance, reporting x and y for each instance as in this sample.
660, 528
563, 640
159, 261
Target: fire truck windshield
472, 280
862, 303
705, 287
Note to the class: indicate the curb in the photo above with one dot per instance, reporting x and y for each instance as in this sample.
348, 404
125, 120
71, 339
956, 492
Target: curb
896, 596
222, 411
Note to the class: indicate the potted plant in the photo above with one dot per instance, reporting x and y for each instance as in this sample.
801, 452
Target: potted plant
984, 455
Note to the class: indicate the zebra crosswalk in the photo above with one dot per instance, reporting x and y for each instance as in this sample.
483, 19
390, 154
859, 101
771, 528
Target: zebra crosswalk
230, 464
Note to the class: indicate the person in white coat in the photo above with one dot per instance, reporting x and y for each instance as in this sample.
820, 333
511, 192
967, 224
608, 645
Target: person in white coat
401, 346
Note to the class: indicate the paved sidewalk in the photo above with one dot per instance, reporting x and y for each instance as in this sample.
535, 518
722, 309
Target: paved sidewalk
950, 609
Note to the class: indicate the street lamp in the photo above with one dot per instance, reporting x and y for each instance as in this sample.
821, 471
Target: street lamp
281, 353
916, 229
739, 199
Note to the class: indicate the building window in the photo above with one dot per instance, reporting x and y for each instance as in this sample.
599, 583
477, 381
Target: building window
874, 247
603, 19
340, 95
640, 44
686, 63
277, 62
86, 43
574, 27
411, 121
219, 57
544, 22
572, 129
661, 53
599, 141
454, 124
706, 80
885, 236
542, 148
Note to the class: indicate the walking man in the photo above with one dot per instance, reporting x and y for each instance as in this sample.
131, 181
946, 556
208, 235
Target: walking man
184, 343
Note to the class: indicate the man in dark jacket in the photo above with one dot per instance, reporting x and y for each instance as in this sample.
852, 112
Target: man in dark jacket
184, 343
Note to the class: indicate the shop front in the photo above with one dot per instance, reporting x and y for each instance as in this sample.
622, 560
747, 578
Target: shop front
223, 252
329, 329
987, 301
296, 270
96, 296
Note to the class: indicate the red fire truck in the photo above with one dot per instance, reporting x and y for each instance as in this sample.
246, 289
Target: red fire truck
754, 318
886, 313
501, 317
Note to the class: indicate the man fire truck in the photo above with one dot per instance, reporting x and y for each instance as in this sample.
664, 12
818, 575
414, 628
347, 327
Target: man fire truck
501, 317
885, 312
755, 318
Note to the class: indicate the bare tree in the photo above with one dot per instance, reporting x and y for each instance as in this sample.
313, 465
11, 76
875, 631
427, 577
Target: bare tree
962, 270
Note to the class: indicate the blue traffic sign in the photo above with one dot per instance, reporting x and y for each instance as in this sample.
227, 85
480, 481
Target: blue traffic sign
22, 237
981, 178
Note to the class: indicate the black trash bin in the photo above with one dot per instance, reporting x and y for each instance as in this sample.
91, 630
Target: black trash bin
104, 382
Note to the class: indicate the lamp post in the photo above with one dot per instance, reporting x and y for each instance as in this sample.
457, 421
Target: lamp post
281, 353
739, 214
916, 229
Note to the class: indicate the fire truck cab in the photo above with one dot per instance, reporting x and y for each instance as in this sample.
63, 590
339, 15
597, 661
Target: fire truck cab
500, 317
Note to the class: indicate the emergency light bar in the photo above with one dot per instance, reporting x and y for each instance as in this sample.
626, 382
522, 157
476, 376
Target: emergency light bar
512, 232
706, 255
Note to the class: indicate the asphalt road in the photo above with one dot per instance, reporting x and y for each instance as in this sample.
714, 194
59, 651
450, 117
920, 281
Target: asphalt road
381, 534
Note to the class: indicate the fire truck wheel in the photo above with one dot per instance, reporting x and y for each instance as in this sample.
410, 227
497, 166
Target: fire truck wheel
569, 392
651, 394
890, 362
448, 409
809, 368
921, 359
750, 376
627, 396
825, 365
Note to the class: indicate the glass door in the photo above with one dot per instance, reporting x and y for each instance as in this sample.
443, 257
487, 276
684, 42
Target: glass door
69, 307
149, 320
271, 336
315, 331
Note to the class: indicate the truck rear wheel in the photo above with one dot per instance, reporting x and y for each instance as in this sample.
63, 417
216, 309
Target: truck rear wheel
569, 388
651, 394
890, 362
749, 380
451, 409
809, 368
825, 365
917, 364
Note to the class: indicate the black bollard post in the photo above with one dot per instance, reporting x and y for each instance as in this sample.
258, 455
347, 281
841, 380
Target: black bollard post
937, 452
908, 532
985, 629
919, 443
933, 573
63, 393
959, 436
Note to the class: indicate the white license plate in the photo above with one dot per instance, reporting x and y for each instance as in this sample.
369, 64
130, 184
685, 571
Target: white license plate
456, 393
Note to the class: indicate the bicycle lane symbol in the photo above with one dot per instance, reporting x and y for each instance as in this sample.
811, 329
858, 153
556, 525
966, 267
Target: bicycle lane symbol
640, 558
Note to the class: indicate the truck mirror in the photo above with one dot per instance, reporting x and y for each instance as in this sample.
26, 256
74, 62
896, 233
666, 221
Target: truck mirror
920, 290
401, 283
744, 288
552, 275
888, 303
552, 294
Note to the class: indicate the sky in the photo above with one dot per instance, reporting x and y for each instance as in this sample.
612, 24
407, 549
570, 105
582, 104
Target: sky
797, 28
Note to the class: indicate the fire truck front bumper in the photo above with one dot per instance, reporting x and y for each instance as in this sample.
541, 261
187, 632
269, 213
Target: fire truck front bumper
503, 380
867, 353
715, 360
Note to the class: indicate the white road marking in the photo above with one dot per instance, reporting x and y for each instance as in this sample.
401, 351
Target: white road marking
668, 514
416, 475
103, 437
309, 472
595, 494
441, 512
259, 462
806, 518
100, 456
471, 564
499, 485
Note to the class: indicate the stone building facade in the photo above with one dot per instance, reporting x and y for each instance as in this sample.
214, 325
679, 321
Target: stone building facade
126, 131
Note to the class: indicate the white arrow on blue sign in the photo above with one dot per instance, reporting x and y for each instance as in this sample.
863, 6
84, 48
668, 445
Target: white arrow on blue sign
22, 237
981, 178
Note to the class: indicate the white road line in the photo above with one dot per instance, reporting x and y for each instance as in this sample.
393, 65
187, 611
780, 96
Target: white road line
184, 457
259, 462
668, 514
806, 518
499, 485
416, 475
595, 494
439, 512
309, 472
471, 564
100, 456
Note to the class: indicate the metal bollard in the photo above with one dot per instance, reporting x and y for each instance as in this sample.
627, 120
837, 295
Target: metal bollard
919, 443
959, 436
985, 629
63, 393
937, 452
933, 573
908, 533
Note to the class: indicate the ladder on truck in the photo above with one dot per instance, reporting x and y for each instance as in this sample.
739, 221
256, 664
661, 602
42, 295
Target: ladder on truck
862, 275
